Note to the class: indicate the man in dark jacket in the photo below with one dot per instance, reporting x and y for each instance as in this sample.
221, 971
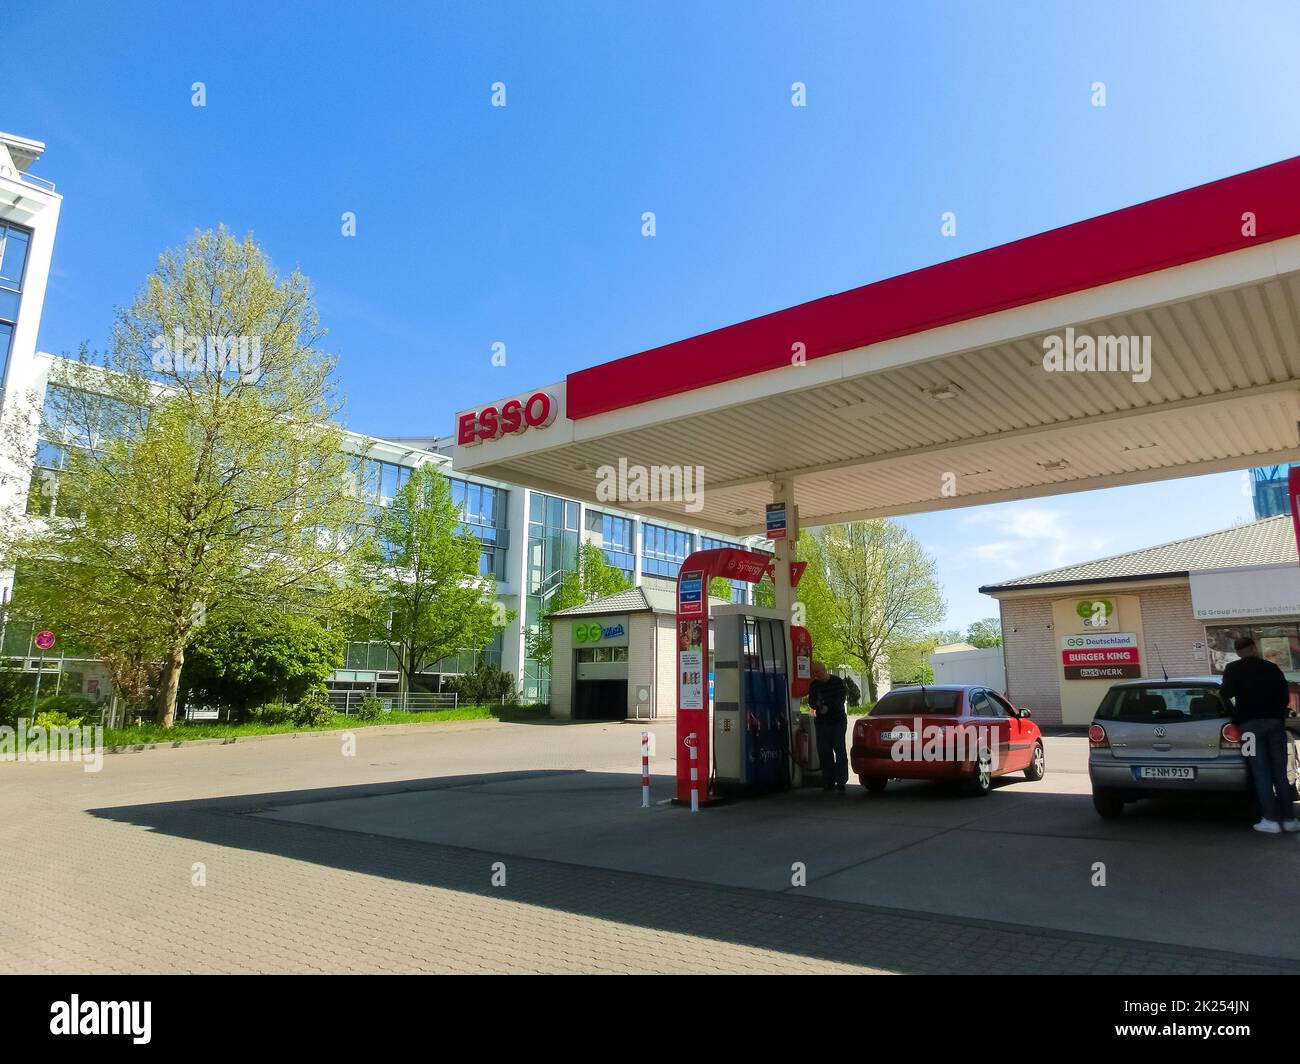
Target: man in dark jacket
826, 696
1258, 692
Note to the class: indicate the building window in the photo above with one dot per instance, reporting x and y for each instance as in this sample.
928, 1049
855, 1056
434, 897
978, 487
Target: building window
663, 550
71, 421
601, 655
482, 512
376, 481
617, 540
14, 245
552, 552
1279, 643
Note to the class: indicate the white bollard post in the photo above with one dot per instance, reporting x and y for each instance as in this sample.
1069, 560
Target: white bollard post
645, 770
695, 777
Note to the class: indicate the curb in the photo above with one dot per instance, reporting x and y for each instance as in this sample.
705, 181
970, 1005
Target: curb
230, 740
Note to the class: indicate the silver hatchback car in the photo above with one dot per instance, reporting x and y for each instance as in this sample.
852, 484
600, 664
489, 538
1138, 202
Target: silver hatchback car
1151, 737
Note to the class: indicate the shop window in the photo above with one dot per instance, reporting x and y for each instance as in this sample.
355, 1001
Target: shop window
1278, 643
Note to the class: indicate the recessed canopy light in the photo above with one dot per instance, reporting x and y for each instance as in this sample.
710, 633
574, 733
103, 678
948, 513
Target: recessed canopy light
944, 391
1059, 463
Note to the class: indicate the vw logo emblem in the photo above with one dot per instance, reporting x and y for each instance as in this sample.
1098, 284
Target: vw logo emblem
1160, 733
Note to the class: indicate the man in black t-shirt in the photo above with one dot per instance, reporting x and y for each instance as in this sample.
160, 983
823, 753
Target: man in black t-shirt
826, 697
1259, 695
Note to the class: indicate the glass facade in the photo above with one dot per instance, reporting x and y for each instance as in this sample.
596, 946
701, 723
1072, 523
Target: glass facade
14, 245
617, 540
663, 550
552, 551
1269, 490
71, 420
483, 512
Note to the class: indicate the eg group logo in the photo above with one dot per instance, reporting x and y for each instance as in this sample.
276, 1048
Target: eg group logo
594, 633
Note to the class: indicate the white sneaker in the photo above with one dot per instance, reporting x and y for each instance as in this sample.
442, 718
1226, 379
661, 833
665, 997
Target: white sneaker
1291, 825
1269, 827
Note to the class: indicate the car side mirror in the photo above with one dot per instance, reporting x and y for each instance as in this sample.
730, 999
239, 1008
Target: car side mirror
1025, 713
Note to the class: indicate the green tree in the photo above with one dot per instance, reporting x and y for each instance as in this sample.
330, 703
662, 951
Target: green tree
883, 590
594, 578
427, 573
203, 474
985, 634
909, 661
818, 599
242, 662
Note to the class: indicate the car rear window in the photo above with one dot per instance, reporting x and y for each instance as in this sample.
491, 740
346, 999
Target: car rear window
920, 703
1162, 705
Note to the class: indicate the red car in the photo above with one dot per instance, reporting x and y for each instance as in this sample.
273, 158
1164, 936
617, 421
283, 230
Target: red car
965, 735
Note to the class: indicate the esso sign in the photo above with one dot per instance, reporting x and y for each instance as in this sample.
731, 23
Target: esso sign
511, 417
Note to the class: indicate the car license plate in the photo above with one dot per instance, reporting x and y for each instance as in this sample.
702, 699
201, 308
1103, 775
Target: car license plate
896, 736
1166, 772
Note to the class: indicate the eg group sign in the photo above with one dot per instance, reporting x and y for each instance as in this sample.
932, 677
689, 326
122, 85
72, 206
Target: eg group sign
1101, 656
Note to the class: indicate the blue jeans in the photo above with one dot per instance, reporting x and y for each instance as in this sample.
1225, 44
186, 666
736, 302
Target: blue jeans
1268, 768
830, 749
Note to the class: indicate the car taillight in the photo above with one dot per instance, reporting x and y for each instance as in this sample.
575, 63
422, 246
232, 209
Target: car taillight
1097, 738
1230, 735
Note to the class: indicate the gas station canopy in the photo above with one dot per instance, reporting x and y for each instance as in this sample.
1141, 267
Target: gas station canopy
931, 390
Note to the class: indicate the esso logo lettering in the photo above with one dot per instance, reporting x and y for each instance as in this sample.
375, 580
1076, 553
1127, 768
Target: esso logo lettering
510, 418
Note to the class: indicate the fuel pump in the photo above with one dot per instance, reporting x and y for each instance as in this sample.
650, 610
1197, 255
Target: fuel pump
751, 705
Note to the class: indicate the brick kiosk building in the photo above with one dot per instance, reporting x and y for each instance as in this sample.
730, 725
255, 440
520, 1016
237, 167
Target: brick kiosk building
1068, 634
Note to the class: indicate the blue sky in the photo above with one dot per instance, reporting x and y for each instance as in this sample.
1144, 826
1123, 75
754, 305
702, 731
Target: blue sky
522, 224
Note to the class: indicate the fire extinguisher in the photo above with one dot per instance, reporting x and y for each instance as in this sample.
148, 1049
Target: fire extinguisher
803, 748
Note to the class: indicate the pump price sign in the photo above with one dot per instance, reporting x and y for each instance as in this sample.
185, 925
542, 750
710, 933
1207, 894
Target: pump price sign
690, 594
776, 520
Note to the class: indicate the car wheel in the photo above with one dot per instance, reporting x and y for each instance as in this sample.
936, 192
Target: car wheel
1037, 767
1108, 804
981, 778
875, 784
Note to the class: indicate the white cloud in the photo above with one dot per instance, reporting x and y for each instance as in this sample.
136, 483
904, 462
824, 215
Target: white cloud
1041, 534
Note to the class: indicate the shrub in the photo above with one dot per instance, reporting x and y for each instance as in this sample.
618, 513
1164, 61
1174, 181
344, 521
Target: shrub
855, 693
273, 713
314, 709
484, 686
371, 708
54, 719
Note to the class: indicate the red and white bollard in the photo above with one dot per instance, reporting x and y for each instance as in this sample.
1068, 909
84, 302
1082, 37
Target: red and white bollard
695, 775
645, 770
